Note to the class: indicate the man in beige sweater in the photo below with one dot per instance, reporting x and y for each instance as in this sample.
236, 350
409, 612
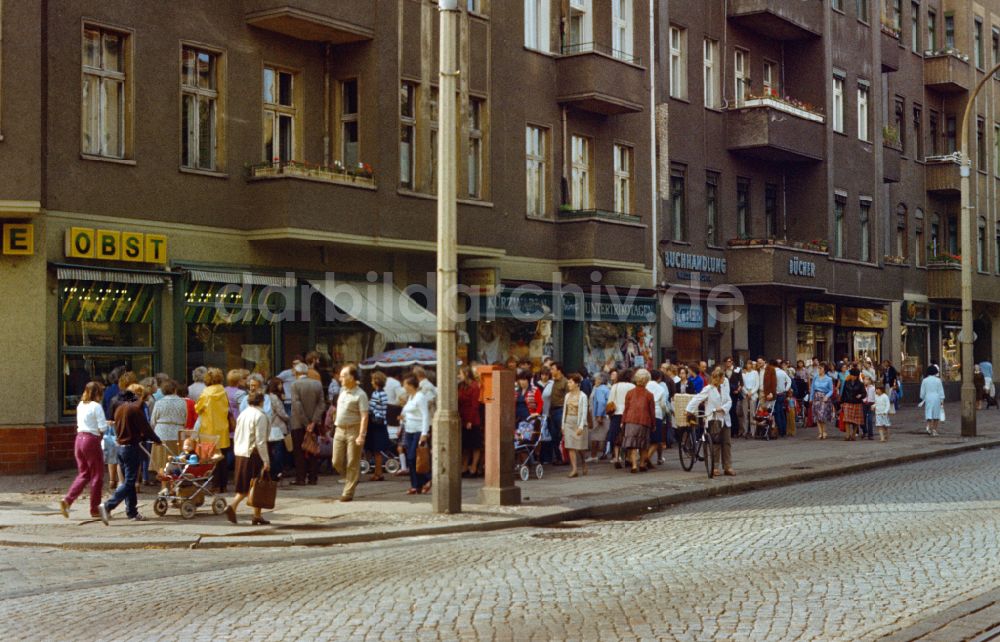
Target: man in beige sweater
352, 427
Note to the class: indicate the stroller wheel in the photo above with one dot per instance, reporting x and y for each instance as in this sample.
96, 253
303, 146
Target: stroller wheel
525, 473
219, 505
366, 466
160, 506
392, 466
539, 471
188, 509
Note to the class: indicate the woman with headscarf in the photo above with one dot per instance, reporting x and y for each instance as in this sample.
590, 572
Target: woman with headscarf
852, 399
932, 399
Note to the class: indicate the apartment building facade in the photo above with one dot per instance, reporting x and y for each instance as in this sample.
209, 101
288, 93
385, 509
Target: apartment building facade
825, 186
158, 160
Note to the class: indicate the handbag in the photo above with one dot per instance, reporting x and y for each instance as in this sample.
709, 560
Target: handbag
610, 408
262, 492
289, 445
423, 463
310, 445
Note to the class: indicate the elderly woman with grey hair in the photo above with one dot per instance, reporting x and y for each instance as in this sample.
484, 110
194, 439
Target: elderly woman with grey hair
198, 383
638, 421
256, 382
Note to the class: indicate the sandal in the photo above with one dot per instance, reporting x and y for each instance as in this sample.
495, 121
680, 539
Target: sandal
426, 489
377, 478
412, 491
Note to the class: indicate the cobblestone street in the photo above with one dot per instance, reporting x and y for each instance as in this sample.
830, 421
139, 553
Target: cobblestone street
849, 558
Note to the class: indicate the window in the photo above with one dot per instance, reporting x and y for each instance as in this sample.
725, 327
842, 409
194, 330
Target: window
950, 135
996, 148
741, 76
432, 121
580, 185
915, 27
933, 134
407, 133
104, 92
931, 30
623, 179
996, 46
839, 203
678, 62
838, 5
743, 208
918, 133
678, 204
279, 115
621, 28
977, 40
536, 157
581, 25
771, 222
921, 246
896, 15
838, 104
863, 125
199, 108
769, 79
713, 231
862, 8
981, 245
949, 31
935, 245
712, 73
475, 161
474, 6
953, 234
349, 122
865, 228
996, 249
901, 236
536, 24
980, 144
899, 121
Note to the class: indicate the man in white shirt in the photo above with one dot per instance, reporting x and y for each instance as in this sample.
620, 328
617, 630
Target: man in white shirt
661, 397
393, 390
784, 385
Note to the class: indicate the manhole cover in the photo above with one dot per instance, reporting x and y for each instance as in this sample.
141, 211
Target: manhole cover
565, 535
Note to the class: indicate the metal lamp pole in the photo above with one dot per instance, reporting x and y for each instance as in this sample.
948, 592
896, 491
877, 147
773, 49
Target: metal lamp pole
446, 489
967, 222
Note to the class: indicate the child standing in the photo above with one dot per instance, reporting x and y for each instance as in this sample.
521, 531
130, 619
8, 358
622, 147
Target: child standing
883, 406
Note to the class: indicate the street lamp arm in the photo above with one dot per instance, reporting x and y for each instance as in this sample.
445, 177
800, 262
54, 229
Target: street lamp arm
968, 110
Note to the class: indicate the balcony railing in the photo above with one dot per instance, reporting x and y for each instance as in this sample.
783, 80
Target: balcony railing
593, 47
941, 174
947, 70
605, 215
361, 176
754, 129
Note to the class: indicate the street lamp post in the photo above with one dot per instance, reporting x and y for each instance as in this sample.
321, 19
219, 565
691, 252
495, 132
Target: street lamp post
446, 489
968, 223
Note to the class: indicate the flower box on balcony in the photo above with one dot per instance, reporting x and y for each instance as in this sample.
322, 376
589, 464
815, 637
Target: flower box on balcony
786, 105
362, 176
891, 259
944, 262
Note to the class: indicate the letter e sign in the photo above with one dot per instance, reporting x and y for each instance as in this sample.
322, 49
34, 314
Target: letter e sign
19, 238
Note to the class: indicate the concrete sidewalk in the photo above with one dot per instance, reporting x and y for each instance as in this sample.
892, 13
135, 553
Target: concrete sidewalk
311, 515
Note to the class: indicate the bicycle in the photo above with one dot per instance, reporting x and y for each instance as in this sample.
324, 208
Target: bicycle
695, 444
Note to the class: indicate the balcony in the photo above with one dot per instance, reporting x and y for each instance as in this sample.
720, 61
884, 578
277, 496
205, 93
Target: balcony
779, 19
593, 238
947, 71
890, 49
774, 130
942, 175
892, 164
944, 279
600, 80
777, 262
334, 21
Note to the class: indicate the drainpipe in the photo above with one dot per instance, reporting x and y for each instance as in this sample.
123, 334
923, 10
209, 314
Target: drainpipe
654, 181
326, 106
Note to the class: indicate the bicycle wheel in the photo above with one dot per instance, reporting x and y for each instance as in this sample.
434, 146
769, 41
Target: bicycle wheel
709, 453
687, 449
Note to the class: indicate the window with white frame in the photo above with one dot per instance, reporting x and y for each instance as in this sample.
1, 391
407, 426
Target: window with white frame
769, 79
349, 122
536, 24
713, 229
678, 62
536, 158
104, 92
865, 227
475, 161
279, 115
712, 73
581, 26
839, 205
580, 186
623, 179
838, 104
678, 203
199, 108
621, 28
741, 76
915, 26
407, 133
864, 132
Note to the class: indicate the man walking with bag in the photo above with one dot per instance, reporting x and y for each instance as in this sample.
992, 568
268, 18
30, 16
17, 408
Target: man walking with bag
352, 428
308, 407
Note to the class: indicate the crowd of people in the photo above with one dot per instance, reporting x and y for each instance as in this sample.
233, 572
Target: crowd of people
292, 424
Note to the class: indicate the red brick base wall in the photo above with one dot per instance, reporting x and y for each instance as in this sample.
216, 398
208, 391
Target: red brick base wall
36, 449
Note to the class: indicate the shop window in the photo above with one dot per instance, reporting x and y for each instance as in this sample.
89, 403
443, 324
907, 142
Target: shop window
231, 326
106, 92
104, 325
280, 115
199, 108
951, 353
913, 361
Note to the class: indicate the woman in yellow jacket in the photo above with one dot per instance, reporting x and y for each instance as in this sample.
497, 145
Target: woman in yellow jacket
214, 419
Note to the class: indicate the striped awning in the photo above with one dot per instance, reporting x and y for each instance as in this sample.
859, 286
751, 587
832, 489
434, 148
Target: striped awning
112, 276
240, 278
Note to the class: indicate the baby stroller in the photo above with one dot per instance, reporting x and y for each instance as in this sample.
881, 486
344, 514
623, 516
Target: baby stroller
763, 421
189, 485
390, 461
527, 445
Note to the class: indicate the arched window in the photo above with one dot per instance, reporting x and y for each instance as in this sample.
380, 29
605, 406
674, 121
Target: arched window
901, 234
918, 231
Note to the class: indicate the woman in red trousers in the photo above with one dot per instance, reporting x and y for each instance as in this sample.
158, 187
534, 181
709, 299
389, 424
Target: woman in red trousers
90, 426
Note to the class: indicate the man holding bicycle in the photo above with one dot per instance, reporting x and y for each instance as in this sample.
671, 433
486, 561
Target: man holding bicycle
717, 400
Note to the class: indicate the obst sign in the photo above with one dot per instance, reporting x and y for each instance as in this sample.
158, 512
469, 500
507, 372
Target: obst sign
114, 245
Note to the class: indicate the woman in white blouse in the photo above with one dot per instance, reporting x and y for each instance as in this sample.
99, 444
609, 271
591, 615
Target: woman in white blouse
751, 389
90, 425
717, 402
416, 420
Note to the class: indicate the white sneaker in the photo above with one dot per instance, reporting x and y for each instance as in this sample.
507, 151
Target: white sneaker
927, 429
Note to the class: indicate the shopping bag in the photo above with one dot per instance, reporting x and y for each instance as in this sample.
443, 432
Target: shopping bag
310, 445
942, 413
840, 422
423, 464
289, 446
262, 492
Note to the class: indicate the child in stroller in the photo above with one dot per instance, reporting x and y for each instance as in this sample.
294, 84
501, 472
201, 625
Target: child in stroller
763, 420
527, 446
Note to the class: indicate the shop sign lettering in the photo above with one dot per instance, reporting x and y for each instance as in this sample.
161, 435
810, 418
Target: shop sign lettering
625, 311
798, 267
18, 239
689, 317
684, 275
113, 245
694, 262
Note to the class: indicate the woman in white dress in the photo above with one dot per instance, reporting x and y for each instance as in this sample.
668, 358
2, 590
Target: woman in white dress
932, 398
576, 437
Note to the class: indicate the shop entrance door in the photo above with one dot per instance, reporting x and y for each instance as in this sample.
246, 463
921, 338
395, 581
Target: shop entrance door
866, 346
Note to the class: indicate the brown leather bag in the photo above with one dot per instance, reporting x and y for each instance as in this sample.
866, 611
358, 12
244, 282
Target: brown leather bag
423, 464
262, 492
310, 445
